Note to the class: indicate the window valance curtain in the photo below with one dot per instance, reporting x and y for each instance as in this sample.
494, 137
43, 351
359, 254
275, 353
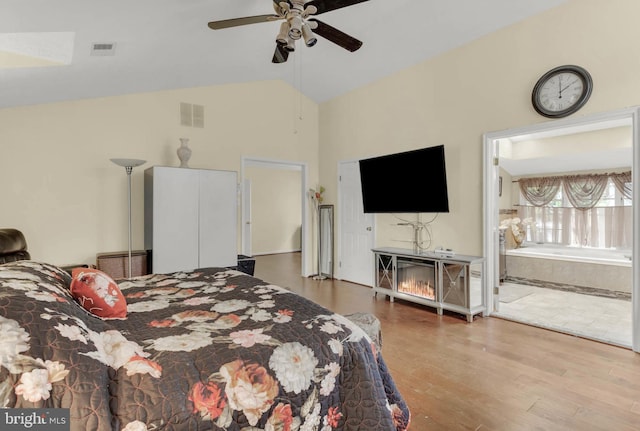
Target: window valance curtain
582, 191
539, 191
623, 183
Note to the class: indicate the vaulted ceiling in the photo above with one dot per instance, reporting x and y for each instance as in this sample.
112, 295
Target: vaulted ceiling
46, 46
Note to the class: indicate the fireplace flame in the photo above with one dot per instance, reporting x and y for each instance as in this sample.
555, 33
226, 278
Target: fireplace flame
417, 287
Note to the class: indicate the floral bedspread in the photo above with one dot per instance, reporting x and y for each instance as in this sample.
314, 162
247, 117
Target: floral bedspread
209, 350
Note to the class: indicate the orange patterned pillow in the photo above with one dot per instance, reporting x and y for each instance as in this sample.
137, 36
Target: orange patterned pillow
98, 293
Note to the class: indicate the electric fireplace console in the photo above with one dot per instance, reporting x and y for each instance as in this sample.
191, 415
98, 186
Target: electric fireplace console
451, 283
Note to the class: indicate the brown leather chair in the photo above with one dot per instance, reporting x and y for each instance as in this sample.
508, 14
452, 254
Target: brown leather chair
13, 246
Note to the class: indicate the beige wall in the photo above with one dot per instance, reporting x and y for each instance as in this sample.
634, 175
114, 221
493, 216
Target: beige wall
481, 87
62, 191
276, 209
71, 201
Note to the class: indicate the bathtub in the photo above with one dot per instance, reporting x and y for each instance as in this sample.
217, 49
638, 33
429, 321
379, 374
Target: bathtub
572, 266
575, 254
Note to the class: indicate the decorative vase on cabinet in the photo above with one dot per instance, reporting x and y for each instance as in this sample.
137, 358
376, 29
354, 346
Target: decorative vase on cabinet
184, 152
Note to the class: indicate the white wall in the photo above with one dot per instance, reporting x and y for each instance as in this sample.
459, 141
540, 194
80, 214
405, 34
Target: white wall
481, 87
70, 201
576, 143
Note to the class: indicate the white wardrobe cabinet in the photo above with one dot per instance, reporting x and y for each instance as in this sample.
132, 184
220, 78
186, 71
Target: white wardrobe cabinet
190, 218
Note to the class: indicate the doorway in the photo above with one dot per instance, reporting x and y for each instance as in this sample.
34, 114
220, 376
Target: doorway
491, 195
268, 172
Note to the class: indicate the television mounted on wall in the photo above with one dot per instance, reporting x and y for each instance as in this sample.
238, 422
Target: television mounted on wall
408, 182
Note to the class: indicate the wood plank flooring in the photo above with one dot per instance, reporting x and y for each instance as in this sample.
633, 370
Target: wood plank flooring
492, 374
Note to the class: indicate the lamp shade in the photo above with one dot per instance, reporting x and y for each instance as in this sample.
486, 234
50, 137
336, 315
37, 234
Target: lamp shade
128, 162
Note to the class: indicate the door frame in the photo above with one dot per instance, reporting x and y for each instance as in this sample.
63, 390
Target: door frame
491, 200
303, 167
339, 218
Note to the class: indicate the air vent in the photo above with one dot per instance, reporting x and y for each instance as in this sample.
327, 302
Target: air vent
186, 114
191, 115
198, 116
103, 48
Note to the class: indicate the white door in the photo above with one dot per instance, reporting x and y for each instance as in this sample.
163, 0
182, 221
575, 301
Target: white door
356, 235
246, 218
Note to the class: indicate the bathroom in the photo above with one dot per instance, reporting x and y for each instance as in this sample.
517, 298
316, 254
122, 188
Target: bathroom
552, 236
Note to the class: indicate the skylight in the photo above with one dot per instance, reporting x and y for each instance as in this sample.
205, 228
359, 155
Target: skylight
36, 49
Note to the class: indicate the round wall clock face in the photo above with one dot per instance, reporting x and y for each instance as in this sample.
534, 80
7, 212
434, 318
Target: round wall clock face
562, 91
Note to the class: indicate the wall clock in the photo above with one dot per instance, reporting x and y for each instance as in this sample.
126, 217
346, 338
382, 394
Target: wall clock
562, 91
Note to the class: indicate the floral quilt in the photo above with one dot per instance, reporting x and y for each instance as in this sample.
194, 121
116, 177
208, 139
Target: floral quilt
207, 350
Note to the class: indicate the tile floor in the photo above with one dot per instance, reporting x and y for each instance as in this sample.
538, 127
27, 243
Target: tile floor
603, 319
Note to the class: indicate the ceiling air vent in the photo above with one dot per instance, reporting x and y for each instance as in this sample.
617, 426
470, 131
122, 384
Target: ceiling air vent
104, 48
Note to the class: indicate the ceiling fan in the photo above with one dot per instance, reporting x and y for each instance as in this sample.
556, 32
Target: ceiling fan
298, 24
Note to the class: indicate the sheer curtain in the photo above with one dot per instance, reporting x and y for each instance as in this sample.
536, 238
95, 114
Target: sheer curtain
583, 224
602, 227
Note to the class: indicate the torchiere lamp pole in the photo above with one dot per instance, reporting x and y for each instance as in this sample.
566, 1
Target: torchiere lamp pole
128, 165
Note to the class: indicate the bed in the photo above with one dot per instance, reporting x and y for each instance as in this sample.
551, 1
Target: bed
213, 349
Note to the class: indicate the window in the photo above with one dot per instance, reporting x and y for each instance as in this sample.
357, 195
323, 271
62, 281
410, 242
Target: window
607, 224
612, 196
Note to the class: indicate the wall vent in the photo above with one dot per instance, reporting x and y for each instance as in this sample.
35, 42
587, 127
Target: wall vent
198, 116
103, 48
186, 116
191, 115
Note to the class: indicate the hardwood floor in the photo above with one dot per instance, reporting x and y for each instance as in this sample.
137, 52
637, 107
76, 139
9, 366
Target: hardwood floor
492, 374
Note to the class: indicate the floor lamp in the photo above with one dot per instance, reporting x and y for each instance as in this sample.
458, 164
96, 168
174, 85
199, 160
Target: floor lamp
129, 164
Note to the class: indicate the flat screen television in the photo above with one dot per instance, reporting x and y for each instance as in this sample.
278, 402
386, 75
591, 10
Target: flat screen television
409, 182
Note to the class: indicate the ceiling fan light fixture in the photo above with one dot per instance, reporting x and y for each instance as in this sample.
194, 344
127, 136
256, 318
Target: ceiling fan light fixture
291, 45
284, 7
309, 38
299, 23
283, 35
310, 10
295, 30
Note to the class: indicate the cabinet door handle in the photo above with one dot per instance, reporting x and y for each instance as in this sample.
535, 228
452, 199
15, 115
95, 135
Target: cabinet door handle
369, 228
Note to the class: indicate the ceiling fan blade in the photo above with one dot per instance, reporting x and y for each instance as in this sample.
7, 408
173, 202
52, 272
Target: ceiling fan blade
235, 22
329, 5
281, 54
336, 36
